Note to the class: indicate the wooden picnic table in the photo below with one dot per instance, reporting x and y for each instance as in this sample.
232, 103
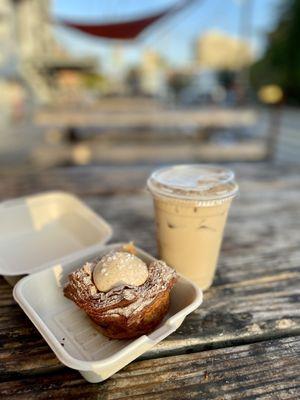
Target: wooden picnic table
242, 343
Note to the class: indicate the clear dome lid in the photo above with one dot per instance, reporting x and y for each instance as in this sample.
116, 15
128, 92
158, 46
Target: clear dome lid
193, 182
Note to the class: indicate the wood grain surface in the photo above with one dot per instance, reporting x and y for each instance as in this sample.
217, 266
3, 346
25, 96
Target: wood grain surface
255, 296
268, 370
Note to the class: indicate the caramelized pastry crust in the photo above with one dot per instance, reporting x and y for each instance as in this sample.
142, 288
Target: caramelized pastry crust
126, 311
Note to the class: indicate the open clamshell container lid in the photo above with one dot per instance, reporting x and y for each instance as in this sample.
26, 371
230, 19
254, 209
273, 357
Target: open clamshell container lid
37, 231
50, 235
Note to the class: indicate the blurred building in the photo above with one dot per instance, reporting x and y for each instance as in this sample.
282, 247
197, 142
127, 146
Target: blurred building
30, 51
218, 51
7, 34
153, 73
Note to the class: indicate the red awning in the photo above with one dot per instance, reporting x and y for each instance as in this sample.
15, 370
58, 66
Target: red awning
124, 30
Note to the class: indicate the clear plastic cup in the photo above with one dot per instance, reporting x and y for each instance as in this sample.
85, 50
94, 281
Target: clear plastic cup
191, 206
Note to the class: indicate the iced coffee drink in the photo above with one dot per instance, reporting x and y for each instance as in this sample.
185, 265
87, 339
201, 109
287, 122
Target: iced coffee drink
191, 206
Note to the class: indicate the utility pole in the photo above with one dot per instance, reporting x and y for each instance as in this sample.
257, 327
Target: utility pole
245, 34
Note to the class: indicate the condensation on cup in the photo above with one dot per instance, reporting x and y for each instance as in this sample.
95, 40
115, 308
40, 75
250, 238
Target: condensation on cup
191, 206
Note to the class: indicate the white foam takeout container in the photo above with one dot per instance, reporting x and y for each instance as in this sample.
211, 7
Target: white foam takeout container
38, 231
50, 235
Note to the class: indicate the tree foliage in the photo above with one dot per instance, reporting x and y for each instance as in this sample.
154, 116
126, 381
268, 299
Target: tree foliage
177, 82
281, 62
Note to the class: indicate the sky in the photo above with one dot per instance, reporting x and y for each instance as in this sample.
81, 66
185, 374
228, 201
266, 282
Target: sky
174, 39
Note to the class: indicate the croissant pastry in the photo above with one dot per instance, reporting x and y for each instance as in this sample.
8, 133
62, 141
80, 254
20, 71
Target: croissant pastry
133, 297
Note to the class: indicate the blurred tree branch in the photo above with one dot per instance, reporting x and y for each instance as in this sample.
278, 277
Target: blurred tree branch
281, 62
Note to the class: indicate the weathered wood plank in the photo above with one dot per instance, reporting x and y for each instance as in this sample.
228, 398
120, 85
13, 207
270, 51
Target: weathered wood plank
82, 181
267, 370
156, 118
256, 293
95, 180
231, 314
142, 152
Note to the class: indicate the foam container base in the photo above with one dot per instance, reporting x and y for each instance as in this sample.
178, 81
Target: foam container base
73, 337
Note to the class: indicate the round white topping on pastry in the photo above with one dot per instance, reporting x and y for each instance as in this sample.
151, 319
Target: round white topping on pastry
119, 268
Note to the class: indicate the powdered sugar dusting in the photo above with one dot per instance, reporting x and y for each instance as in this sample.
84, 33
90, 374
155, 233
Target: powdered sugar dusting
125, 300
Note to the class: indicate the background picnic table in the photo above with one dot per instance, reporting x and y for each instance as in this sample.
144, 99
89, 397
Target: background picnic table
242, 343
